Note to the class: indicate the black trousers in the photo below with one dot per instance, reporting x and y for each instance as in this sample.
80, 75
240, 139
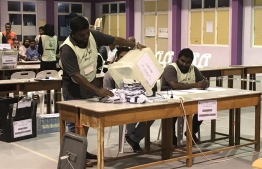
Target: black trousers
195, 127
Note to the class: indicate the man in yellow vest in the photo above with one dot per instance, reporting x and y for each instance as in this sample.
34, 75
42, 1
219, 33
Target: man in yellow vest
182, 75
78, 56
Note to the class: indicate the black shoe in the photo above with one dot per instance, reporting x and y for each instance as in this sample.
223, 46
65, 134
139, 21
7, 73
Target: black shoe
194, 137
174, 140
135, 146
91, 156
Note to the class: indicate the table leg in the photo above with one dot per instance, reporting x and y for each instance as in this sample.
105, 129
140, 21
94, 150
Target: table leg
167, 131
62, 128
231, 127
213, 130
237, 126
244, 82
257, 125
100, 145
57, 98
147, 136
254, 82
252, 77
230, 81
48, 102
189, 161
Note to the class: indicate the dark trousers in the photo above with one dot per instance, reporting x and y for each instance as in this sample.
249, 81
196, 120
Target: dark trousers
195, 127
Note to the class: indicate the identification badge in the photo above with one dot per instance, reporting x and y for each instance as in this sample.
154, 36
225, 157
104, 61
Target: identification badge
89, 69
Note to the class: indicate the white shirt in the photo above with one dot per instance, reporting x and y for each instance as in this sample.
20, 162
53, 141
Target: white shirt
22, 50
111, 55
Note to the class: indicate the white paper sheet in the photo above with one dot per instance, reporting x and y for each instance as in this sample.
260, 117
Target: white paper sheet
207, 110
150, 32
148, 69
22, 128
209, 27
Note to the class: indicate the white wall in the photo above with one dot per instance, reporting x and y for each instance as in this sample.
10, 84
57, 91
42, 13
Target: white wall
4, 14
221, 55
251, 55
138, 27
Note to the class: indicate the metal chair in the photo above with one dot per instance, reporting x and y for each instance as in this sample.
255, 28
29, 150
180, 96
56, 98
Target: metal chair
43, 75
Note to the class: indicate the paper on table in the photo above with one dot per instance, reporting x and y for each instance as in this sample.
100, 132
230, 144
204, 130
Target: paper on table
216, 89
174, 92
194, 90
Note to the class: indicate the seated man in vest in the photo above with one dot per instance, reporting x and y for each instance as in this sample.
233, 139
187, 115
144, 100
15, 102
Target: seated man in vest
182, 75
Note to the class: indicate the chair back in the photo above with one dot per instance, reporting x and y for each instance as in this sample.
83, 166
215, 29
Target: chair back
167, 58
196, 56
23, 75
158, 55
47, 73
205, 57
102, 65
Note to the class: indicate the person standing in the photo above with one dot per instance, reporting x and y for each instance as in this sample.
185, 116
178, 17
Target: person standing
48, 48
182, 75
9, 35
41, 32
78, 56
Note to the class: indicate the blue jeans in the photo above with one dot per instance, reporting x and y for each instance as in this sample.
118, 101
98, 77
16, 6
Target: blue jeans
70, 125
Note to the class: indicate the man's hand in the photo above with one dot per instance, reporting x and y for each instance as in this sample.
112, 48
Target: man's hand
203, 84
104, 93
140, 46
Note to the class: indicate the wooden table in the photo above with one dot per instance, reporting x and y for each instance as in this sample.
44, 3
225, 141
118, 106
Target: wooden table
252, 70
33, 67
100, 115
229, 71
28, 85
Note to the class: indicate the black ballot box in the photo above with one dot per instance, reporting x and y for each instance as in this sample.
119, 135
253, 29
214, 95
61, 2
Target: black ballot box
72, 152
17, 119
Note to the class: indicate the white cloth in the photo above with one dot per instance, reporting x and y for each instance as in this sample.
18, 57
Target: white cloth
111, 55
22, 50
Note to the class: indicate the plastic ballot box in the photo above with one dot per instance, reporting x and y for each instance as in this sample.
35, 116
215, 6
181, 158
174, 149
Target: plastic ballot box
8, 58
139, 65
17, 119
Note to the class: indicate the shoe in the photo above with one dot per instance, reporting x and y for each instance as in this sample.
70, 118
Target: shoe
91, 156
194, 137
174, 140
88, 163
135, 146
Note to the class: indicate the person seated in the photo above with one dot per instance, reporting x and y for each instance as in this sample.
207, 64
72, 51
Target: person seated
111, 54
16, 44
32, 52
182, 75
134, 133
22, 49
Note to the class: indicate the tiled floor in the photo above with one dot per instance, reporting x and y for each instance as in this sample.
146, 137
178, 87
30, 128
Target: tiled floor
42, 152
